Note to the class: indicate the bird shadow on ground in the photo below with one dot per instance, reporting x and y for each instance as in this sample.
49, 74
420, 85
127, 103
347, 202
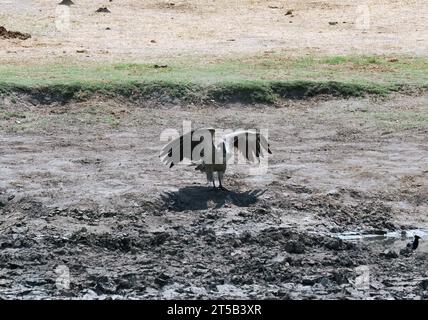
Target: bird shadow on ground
201, 198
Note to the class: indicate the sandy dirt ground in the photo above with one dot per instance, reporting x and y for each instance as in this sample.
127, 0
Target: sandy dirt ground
152, 30
84, 197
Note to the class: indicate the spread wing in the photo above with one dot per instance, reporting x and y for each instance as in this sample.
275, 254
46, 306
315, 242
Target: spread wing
250, 144
184, 147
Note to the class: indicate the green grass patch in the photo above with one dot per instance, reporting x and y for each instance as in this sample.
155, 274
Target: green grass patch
250, 79
335, 60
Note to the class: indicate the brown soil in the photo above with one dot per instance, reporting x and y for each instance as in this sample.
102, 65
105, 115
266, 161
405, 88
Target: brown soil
5, 34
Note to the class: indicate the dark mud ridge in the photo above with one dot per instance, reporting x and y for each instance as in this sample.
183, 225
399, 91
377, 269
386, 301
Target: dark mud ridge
268, 92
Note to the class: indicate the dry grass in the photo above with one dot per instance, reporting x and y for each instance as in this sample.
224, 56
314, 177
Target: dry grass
206, 29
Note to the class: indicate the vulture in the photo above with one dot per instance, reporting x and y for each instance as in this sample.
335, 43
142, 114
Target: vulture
199, 148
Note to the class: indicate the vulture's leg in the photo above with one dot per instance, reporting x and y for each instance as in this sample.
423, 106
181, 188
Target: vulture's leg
220, 176
213, 183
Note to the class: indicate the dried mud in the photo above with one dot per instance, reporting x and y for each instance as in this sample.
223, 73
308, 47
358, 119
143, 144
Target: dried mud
82, 190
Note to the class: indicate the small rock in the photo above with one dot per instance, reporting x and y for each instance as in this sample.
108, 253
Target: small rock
89, 294
334, 244
294, 247
198, 290
162, 280
324, 281
27, 206
278, 259
424, 284
340, 277
5, 283
308, 281
332, 23
127, 282
159, 238
387, 283
35, 282
153, 41
311, 262
59, 252
406, 252
333, 193
106, 285
389, 254
376, 286
289, 12
336, 229
103, 10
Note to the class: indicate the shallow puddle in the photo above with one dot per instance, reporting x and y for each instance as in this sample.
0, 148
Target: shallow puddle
394, 240
381, 236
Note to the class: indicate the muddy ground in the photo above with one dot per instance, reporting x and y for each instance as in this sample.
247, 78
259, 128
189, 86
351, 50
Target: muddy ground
83, 193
